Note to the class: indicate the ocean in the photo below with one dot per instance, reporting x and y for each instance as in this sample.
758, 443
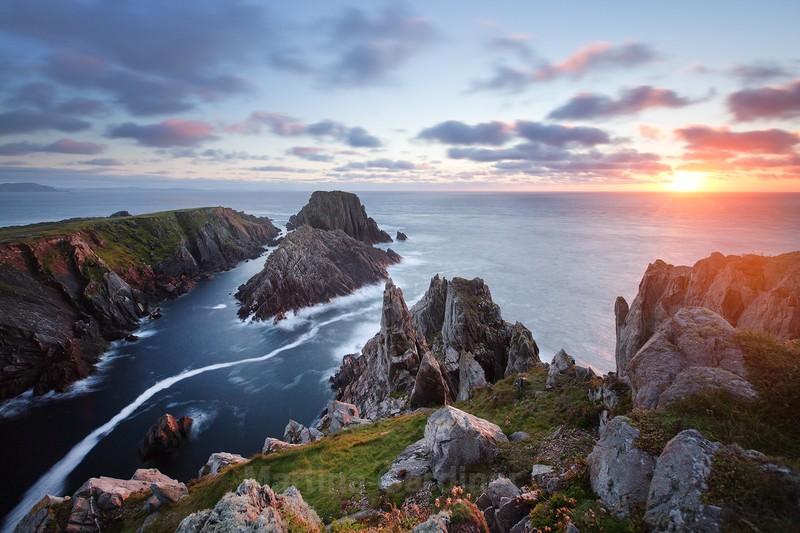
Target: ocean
554, 262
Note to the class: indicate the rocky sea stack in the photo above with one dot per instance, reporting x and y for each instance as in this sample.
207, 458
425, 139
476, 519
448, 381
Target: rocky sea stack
339, 210
68, 289
330, 254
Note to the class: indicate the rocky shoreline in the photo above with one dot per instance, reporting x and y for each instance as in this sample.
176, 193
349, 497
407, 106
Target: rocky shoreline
68, 289
450, 400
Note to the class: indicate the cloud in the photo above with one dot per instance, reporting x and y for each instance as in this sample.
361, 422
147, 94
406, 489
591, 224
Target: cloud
279, 168
522, 152
650, 132
367, 49
760, 72
102, 162
310, 153
386, 164
497, 133
178, 52
14, 122
63, 146
631, 101
709, 143
594, 57
286, 126
518, 44
781, 102
454, 132
171, 132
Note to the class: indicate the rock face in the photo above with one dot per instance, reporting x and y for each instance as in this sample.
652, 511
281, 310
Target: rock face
412, 463
255, 507
67, 291
339, 210
165, 436
458, 440
41, 517
338, 416
312, 266
674, 500
666, 367
453, 340
620, 473
297, 433
750, 292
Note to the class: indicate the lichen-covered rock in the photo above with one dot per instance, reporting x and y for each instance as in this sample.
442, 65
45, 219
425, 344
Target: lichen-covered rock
412, 463
41, 517
522, 351
218, 462
254, 507
338, 210
674, 500
562, 363
338, 416
749, 291
273, 445
458, 440
312, 266
620, 473
470, 376
693, 337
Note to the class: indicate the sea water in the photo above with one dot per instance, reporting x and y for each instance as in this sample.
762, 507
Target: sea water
554, 262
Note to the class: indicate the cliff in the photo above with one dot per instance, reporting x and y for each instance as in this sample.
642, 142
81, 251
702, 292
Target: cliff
68, 289
312, 266
749, 291
339, 210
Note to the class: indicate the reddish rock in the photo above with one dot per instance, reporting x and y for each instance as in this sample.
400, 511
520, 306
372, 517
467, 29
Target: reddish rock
165, 436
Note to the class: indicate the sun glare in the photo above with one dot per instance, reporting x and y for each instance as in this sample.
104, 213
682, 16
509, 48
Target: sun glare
684, 181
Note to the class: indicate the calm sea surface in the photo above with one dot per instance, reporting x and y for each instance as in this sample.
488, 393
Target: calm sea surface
555, 262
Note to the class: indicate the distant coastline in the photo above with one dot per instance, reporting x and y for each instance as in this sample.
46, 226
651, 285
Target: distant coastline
26, 187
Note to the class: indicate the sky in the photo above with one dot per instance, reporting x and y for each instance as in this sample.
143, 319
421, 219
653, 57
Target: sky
402, 95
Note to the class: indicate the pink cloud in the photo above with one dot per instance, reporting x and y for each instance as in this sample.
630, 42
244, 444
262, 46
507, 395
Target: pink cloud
170, 132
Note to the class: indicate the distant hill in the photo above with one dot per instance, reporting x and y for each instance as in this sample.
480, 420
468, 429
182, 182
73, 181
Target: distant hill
25, 187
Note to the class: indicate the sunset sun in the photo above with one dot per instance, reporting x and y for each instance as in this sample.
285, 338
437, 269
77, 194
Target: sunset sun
684, 181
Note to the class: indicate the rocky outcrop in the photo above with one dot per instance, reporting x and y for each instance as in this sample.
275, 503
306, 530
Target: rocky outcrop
255, 507
273, 445
749, 291
401, 236
338, 416
67, 290
674, 502
312, 266
620, 472
297, 433
337, 210
452, 341
458, 440
218, 462
165, 436
42, 516
692, 338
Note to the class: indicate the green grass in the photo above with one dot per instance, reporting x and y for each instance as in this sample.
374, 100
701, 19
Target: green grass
329, 473
767, 424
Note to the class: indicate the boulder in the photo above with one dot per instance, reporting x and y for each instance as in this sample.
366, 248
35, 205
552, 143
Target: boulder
562, 364
218, 462
513, 511
401, 236
430, 389
518, 436
41, 517
254, 507
97, 501
538, 472
311, 266
338, 416
297, 433
501, 488
748, 291
619, 472
693, 337
702, 378
273, 445
522, 351
338, 210
439, 523
458, 440
674, 501
165, 436
412, 463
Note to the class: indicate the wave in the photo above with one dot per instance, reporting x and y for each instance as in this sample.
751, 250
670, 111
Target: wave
218, 306
53, 481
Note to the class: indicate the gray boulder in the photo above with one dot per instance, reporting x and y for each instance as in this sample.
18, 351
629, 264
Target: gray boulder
522, 351
273, 445
458, 440
562, 363
619, 472
412, 463
439, 523
702, 378
430, 388
680, 479
219, 461
693, 337
338, 416
470, 376
500, 488
297, 433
